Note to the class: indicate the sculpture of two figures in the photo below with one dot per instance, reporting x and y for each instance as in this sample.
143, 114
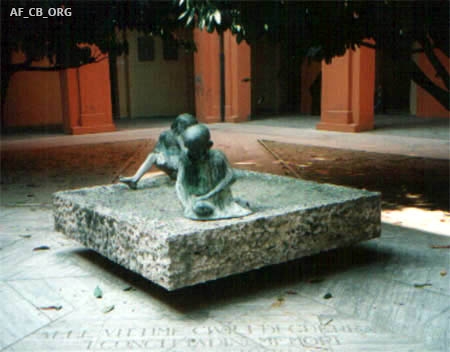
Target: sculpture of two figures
203, 175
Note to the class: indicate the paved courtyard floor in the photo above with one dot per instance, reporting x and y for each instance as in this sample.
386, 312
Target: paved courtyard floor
388, 294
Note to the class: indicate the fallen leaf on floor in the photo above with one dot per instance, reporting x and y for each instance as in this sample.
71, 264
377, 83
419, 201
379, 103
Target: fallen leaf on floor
291, 292
327, 295
426, 284
278, 302
41, 248
108, 309
98, 293
315, 280
443, 273
129, 288
327, 322
25, 236
51, 308
440, 247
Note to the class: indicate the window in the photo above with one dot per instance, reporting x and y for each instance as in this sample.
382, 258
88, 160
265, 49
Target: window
146, 48
170, 49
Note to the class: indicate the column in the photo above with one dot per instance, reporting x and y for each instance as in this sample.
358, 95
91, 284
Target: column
207, 76
237, 66
87, 99
237, 79
348, 85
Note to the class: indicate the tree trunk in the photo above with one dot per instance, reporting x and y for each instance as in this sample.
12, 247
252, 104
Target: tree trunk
440, 94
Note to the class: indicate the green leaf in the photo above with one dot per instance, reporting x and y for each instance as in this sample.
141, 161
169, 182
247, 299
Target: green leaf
191, 17
51, 308
183, 15
41, 248
210, 27
426, 284
98, 293
327, 295
217, 16
108, 309
201, 24
239, 37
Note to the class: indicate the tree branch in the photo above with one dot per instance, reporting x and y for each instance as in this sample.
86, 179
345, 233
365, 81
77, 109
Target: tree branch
441, 71
26, 65
440, 94
368, 45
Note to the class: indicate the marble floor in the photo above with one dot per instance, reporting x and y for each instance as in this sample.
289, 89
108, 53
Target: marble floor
386, 294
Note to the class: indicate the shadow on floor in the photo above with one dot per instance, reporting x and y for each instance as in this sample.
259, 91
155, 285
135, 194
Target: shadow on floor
311, 270
402, 180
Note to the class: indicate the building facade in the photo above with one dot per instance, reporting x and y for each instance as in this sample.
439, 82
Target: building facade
221, 81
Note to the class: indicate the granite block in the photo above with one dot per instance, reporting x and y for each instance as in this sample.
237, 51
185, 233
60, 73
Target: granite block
145, 231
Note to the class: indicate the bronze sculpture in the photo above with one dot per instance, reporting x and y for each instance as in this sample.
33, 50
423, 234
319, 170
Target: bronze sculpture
204, 179
166, 153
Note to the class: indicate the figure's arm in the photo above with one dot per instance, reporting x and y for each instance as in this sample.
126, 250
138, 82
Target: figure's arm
146, 165
180, 188
181, 143
225, 182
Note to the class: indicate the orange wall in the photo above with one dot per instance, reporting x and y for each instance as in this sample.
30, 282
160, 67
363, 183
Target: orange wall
33, 98
426, 105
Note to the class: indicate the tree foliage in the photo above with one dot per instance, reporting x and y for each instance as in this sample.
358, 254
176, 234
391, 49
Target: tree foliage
322, 29
66, 40
325, 29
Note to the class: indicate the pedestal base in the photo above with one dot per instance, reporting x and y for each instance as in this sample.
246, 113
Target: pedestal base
144, 230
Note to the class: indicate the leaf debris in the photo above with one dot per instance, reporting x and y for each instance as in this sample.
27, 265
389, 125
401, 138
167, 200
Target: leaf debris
51, 308
327, 295
108, 309
426, 284
129, 288
41, 248
98, 293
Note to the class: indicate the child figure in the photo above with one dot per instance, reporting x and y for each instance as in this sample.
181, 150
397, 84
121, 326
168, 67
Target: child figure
204, 179
167, 151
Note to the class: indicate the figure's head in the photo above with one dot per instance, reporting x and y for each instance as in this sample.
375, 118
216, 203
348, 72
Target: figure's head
197, 141
182, 122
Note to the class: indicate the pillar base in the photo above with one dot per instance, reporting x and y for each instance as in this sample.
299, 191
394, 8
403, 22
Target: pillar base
92, 129
338, 127
236, 118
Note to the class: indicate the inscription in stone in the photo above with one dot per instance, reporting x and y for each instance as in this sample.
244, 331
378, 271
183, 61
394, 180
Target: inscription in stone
230, 337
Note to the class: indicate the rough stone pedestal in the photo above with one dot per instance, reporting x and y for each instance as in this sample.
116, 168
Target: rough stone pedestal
144, 230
